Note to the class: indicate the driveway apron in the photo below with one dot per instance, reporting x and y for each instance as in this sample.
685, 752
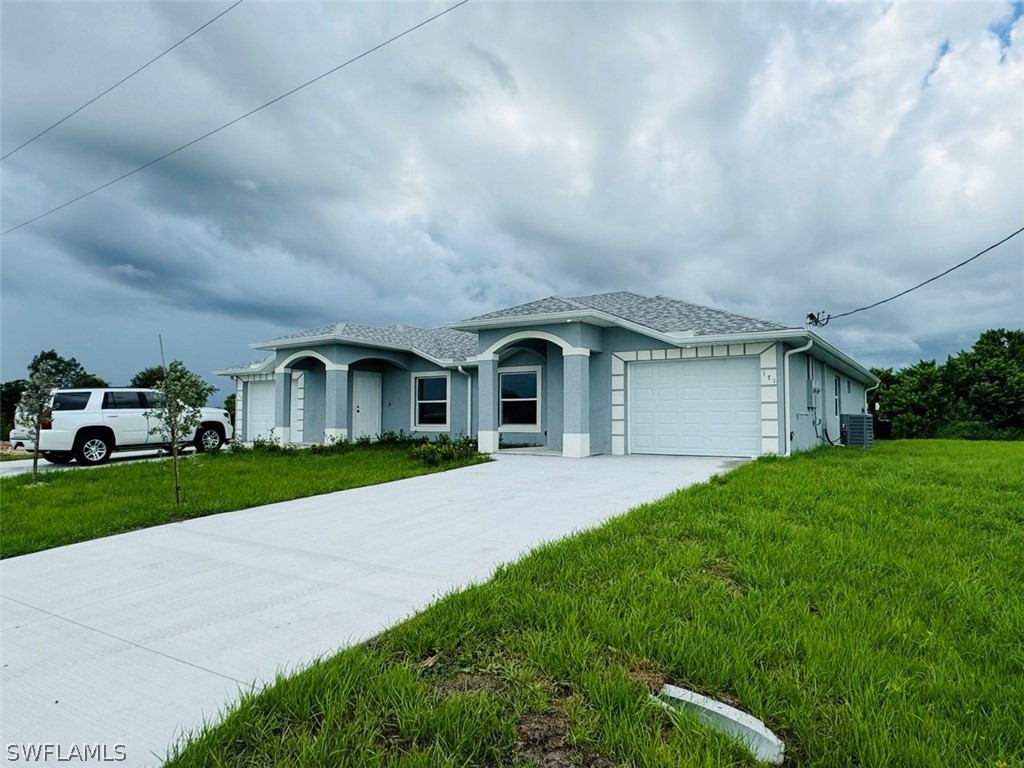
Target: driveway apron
130, 641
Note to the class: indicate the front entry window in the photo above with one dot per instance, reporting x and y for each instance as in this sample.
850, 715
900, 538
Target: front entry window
431, 401
520, 399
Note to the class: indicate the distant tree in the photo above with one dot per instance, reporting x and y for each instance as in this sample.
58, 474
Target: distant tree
978, 393
34, 407
177, 414
229, 406
988, 379
69, 371
148, 377
10, 394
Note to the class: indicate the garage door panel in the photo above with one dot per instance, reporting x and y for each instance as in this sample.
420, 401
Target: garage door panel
696, 407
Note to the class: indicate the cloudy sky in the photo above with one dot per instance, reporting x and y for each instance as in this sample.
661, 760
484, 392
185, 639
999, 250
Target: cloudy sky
767, 158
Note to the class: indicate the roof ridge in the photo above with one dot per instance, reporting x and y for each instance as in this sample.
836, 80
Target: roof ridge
724, 311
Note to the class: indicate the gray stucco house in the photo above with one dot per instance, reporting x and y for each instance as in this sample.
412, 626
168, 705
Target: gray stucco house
614, 373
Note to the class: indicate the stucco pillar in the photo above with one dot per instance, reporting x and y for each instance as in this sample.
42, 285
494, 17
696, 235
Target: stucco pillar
336, 417
487, 435
576, 403
283, 405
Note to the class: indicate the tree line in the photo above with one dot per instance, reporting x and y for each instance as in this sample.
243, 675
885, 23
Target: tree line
977, 394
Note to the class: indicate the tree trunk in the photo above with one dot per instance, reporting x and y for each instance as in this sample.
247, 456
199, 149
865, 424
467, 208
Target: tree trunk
35, 454
174, 461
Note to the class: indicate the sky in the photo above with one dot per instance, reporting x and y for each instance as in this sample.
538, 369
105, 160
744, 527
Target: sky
771, 159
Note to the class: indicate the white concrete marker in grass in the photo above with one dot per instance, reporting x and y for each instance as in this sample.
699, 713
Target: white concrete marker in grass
754, 735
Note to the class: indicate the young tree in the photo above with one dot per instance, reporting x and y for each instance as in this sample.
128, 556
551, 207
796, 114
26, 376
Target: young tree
148, 377
177, 413
34, 408
10, 394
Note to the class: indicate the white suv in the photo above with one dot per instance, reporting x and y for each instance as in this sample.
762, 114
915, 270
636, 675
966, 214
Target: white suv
90, 424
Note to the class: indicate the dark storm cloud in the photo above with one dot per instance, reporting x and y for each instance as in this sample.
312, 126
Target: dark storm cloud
773, 160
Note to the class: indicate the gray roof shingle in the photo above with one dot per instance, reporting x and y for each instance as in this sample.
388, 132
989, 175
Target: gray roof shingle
659, 313
439, 343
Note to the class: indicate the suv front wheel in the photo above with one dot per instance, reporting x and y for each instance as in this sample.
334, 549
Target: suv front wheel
93, 448
209, 438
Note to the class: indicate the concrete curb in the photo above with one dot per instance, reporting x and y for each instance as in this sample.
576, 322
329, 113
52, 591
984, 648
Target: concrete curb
754, 735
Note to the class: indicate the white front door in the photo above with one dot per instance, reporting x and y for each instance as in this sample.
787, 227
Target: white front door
366, 397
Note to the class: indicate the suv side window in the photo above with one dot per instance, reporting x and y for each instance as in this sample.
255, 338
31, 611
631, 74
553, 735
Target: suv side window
71, 401
153, 399
121, 400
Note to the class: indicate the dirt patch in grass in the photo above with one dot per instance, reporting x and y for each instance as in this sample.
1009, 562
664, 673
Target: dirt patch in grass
390, 737
724, 574
649, 676
466, 684
544, 741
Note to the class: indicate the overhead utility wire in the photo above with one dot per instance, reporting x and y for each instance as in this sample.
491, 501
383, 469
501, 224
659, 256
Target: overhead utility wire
816, 319
122, 80
232, 122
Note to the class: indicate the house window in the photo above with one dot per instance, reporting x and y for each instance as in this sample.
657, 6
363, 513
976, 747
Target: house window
839, 390
520, 399
430, 402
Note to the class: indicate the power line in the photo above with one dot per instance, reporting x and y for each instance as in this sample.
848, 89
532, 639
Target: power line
236, 120
122, 80
816, 319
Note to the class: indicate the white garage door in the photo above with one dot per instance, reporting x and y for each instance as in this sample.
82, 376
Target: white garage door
706, 407
259, 410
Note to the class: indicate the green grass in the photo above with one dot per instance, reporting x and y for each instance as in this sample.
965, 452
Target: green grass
869, 606
77, 505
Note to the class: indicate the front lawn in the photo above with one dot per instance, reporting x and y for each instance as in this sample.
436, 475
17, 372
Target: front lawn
80, 504
869, 606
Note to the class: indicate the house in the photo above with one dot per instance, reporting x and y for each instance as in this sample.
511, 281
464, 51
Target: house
613, 373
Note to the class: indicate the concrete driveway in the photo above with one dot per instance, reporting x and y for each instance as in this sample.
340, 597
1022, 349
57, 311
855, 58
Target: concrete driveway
133, 639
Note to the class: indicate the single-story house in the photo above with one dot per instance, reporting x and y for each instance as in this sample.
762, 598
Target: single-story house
613, 373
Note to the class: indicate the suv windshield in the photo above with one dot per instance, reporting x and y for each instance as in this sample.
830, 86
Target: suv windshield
70, 401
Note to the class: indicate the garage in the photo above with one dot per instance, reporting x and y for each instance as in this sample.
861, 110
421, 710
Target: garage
702, 407
259, 409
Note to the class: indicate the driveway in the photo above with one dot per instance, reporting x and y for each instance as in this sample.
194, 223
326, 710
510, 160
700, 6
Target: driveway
132, 639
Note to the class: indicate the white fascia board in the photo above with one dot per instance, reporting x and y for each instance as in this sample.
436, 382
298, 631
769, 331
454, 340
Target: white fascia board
551, 318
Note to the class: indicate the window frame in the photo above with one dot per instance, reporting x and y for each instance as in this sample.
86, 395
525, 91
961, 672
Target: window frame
537, 370
838, 392
414, 418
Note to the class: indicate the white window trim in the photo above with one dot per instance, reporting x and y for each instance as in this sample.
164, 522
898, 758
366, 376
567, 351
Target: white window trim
522, 428
414, 411
838, 387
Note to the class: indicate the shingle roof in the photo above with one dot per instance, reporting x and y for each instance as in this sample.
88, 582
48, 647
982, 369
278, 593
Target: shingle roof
438, 343
659, 313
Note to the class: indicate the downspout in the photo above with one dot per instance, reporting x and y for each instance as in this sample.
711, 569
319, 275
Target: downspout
469, 401
870, 389
789, 397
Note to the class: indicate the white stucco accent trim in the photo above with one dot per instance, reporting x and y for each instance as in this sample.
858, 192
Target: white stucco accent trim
566, 351
575, 445
329, 365
487, 441
334, 433
531, 334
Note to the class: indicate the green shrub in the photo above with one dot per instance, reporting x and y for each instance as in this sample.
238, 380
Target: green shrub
444, 450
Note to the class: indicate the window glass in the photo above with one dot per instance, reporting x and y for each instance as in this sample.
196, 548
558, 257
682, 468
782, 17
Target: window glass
70, 401
153, 399
518, 385
432, 389
121, 400
519, 412
431, 401
519, 392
